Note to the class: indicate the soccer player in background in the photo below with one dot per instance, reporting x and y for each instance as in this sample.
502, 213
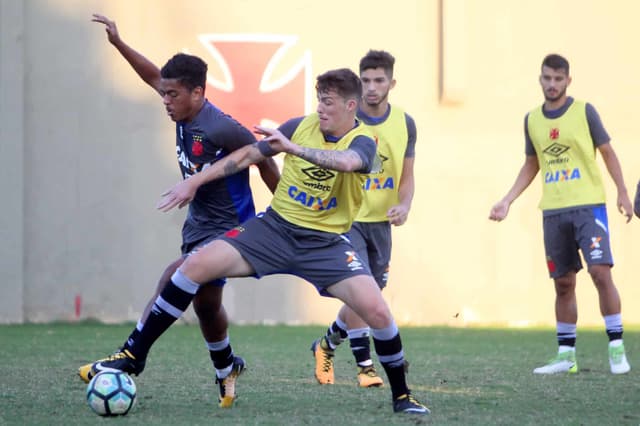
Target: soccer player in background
328, 154
636, 201
387, 201
204, 135
561, 139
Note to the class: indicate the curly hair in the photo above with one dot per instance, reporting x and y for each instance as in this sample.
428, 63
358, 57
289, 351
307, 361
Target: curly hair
189, 70
343, 81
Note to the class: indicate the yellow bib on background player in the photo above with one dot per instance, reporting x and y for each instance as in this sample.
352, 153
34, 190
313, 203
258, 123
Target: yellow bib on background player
567, 158
391, 137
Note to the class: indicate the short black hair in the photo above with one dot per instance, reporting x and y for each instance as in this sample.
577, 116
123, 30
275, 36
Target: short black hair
556, 62
189, 70
344, 81
378, 59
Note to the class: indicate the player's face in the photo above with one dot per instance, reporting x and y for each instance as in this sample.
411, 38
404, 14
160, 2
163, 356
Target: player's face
335, 112
554, 83
180, 102
375, 86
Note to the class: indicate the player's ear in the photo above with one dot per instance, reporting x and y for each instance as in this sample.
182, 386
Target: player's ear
198, 91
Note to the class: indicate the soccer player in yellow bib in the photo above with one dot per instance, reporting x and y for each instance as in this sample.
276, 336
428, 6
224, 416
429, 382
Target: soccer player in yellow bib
327, 156
387, 200
636, 201
562, 137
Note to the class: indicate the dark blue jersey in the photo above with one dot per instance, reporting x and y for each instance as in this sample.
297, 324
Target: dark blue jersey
223, 203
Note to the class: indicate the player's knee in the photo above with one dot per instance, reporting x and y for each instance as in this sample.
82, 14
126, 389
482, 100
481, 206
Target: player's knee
379, 316
564, 285
601, 275
196, 269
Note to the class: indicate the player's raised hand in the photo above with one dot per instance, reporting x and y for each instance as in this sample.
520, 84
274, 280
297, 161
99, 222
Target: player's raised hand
180, 195
110, 27
277, 141
499, 211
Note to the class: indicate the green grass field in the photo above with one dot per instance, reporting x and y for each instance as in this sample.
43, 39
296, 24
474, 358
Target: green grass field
466, 377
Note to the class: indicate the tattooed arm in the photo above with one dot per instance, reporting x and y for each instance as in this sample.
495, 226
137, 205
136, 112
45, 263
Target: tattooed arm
342, 161
359, 157
183, 192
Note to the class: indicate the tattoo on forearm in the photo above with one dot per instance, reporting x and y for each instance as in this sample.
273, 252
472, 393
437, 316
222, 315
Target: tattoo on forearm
231, 168
334, 160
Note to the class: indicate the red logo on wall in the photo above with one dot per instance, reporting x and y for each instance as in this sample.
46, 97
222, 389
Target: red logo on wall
249, 90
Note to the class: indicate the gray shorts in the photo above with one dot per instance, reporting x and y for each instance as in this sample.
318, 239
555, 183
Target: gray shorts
273, 245
569, 231
372, 241
189, 248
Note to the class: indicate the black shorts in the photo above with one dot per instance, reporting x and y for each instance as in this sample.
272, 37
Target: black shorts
565, 233
372, 241
273, 245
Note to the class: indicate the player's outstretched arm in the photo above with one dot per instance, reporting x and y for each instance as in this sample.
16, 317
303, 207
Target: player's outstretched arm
183, 192
341, 161
528, 171
146, 69
615, 171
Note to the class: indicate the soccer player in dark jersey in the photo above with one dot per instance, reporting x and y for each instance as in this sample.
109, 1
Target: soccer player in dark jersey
320, 191
636, 201
387, 201
204, 135
562, 137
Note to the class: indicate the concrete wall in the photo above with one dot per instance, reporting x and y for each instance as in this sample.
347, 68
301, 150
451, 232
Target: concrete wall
12, 247
86, 149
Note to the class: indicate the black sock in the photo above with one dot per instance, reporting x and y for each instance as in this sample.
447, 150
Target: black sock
168, 307
335, 334
135, 335
221, 358
361, 348
392, 360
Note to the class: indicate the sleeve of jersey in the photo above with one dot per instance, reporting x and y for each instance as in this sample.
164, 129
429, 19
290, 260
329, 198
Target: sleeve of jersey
412, 135
598, 133
365, 147
231, 135
528, 145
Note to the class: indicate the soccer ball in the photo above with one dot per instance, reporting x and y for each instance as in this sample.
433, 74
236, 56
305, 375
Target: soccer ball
111, 393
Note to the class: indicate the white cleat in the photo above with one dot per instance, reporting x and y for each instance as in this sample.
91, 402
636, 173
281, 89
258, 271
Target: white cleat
564, 362
618, 360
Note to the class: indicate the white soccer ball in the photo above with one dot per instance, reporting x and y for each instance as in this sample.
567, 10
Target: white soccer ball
111, 393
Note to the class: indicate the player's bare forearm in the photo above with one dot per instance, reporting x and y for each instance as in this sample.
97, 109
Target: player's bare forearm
147, 71
613, 167
341, 161
407, 186
615, 171
184, 191
528, 171
235, 162
269, 173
